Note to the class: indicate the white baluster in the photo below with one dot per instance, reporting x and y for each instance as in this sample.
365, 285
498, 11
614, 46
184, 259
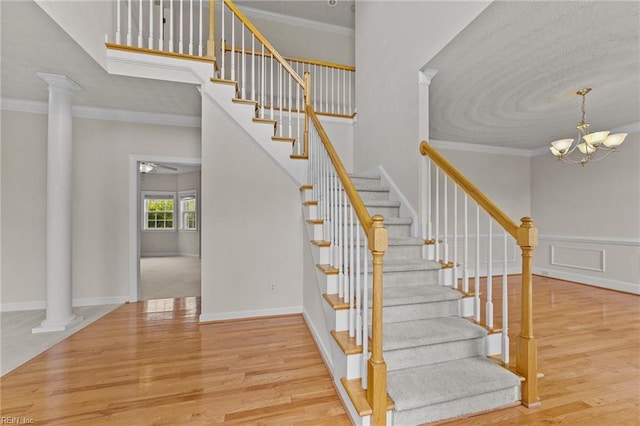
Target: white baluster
200, 31
262, 87
350, 77
333, 102
280, 124
352, 313
289, 78
505, 306
437, 228
298, 132
118, 36
445, 238
253, 68
190, 27
150, 25
358, 285
161, 27
476, 297
465, 255
429, 212
326, 87
223, 41
344, 92
243, 84
181, 27
340, 223
315, 87
455, 236
365, 314
271, 89
129, 24
140, 24
489, 304
171, 25
233, 46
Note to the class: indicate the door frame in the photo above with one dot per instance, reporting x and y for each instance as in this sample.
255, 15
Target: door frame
134, 213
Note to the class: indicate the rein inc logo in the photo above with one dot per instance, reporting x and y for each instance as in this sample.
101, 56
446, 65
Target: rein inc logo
9, 420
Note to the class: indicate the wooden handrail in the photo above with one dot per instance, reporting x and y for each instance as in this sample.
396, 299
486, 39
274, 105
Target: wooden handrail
526, 236
264, 41
483, 201
228, 48
350, 189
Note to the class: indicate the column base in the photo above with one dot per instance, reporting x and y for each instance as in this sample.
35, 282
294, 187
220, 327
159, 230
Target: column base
48, 327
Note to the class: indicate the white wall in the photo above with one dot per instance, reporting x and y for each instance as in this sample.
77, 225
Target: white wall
101, 152
394, 40
251, 226
86, 22
590, 218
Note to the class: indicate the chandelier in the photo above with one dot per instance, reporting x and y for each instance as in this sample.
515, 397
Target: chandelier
595, 146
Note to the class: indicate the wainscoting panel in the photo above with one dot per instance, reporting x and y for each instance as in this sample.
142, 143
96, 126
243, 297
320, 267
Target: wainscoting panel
578, 258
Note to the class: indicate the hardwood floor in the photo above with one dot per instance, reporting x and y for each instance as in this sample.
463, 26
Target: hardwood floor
151, 363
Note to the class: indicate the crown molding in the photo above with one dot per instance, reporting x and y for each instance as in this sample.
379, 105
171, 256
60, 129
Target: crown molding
299, 22
80, 111
487, 149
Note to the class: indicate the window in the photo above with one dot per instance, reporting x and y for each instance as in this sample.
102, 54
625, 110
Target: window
188, 215
159, 209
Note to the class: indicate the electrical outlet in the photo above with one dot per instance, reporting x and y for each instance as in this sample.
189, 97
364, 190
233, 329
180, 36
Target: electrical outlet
271, 287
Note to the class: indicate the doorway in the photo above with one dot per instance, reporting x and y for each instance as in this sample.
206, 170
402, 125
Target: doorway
164, 227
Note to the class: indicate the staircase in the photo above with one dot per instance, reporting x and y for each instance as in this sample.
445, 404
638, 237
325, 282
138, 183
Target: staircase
436, 360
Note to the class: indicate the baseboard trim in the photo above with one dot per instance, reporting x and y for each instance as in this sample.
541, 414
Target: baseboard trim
250, 314
328, 362
622, 286
42, 304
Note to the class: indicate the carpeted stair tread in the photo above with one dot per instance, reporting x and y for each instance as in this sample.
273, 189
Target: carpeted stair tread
448, 381
381, 203
409, 264
372, 187
409, 295
364, 176
398, 221
433, 331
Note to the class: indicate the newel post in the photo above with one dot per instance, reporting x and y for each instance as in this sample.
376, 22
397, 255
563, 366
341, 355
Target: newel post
527, 347
307, 103
377, 368
211, 42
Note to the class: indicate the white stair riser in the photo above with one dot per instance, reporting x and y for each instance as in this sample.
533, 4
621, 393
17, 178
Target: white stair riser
314, 231
320, 254
433, 354
348, 366
337, 320
311, 211
307, 195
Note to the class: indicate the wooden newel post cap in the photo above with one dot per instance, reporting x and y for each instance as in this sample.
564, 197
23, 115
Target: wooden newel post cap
527, 233
378, 237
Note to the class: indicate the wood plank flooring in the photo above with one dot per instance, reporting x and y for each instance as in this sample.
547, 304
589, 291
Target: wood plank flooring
151, 363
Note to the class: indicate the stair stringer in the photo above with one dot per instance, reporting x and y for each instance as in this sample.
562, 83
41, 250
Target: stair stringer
160, 67
260, 133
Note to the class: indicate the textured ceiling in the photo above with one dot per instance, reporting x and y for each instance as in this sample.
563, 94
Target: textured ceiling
341, 14
510, 77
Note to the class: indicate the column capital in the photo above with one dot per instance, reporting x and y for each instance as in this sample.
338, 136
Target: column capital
59, 81
425, 75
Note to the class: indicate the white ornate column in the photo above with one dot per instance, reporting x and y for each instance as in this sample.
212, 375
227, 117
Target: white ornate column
424, 80
59, 315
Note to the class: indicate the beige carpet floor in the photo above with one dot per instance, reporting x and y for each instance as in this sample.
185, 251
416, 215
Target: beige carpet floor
167, 277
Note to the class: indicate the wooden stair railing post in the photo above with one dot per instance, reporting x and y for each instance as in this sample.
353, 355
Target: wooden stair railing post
527, 347
377, 368
211, 43
307, 103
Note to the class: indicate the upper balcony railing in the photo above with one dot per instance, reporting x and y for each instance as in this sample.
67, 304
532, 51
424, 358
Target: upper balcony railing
181, 27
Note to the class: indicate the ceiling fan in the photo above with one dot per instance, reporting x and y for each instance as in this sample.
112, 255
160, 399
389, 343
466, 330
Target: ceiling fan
148, 167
